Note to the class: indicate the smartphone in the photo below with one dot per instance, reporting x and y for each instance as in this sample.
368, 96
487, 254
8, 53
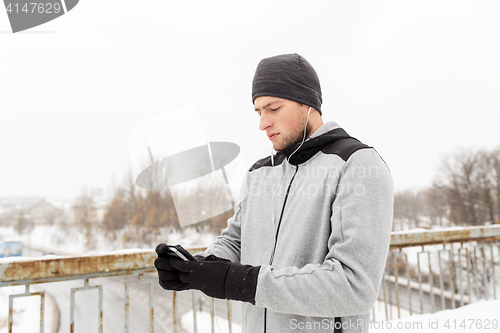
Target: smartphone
180, 252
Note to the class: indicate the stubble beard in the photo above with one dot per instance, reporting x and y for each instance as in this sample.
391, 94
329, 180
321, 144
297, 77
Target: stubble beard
298, 135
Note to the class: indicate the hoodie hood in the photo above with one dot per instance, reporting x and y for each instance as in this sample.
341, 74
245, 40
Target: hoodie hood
324, 136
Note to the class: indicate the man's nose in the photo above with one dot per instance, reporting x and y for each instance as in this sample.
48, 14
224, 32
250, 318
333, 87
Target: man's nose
265, 122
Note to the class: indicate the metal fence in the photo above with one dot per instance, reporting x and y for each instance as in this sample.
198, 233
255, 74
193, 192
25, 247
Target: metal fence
429, 271
425, 272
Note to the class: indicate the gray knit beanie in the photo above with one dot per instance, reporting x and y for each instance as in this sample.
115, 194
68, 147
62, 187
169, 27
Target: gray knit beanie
288, 76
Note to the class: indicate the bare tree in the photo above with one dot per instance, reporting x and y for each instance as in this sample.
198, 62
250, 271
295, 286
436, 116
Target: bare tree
22, 223
486, 186
470, 181
458, 175
495, 179
116, 216
86, 218
435, 204
466, 190
408, 205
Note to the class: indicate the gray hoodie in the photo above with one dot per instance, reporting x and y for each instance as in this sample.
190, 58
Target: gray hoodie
325, 255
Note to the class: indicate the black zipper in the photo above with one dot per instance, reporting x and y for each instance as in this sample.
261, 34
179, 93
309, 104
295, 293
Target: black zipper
281, 216
276, 236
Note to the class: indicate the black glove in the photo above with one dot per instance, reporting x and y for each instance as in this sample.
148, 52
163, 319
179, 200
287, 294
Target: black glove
198, 257
216, 277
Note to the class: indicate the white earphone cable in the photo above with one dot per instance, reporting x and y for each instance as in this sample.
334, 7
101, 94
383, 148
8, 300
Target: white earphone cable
284, 177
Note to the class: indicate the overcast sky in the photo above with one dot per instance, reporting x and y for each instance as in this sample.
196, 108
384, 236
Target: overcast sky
414, 79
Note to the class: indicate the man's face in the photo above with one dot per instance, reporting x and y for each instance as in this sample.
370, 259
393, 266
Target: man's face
283, 120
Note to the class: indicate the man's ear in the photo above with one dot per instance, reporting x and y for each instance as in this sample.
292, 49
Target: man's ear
313, 109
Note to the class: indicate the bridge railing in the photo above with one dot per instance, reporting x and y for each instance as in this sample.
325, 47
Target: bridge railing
433, 270
426, 271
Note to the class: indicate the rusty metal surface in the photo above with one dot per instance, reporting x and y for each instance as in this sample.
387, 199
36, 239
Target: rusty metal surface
27, 293
174, 310
86, 287
68, 268
53, 268
193, 303
229, 314
64, 268
128, 285
467, 234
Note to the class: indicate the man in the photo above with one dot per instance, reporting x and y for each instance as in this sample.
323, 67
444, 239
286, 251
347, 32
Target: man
306, 246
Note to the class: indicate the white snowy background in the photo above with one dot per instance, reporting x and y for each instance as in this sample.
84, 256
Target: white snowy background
414, 79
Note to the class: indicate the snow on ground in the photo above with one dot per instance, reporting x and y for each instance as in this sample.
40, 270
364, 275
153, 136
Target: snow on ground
71, 240
379, 312
479, 317
26, 314
204, 323
482, 316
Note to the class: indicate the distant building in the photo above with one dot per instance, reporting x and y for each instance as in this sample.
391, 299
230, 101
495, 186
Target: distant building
42, 210
13, 206
37, 210
91, 207
45, 212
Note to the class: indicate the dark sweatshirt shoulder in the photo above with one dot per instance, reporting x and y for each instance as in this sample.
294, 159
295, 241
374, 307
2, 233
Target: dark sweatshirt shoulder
335, 141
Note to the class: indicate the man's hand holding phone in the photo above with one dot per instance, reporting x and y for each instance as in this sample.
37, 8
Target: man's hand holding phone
216, 277
179, 251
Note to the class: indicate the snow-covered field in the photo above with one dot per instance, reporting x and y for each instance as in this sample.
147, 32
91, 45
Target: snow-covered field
482, 316
204, 323
62, 241
26, 311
